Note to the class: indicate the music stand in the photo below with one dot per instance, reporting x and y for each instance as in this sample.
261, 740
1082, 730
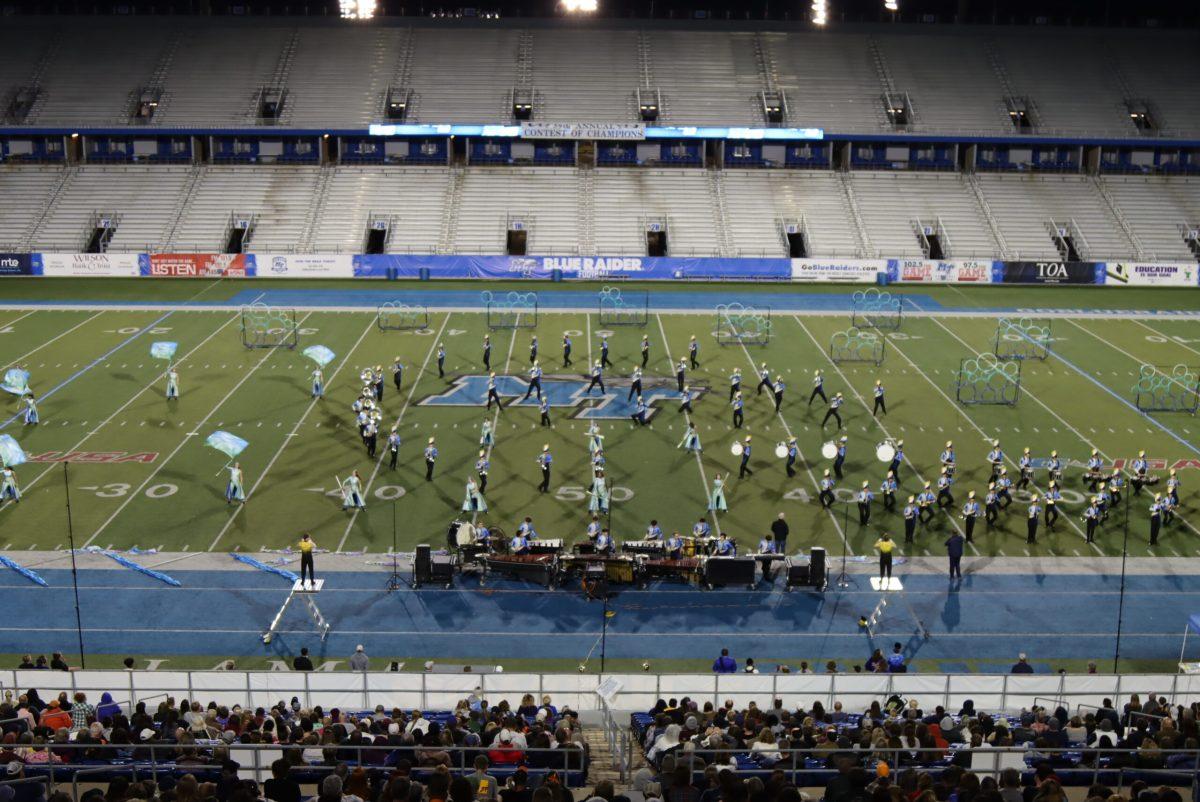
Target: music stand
394, 581
843, 580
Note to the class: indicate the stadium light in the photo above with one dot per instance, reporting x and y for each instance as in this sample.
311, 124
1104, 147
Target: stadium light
357, 9
580, 6
891, 5
820, 12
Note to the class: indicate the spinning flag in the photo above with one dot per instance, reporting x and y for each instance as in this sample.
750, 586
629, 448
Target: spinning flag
163, 350
16, 381
228, 444
319, 354
11, 454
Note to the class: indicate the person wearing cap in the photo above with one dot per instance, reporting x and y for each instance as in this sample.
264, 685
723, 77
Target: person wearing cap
431, 455
995, 459
944, 481
441, 361
865, 497
880, 404
492, 394
735, 382
1022, 665
910, 519
897, 458
597, 378
793, 452
954, 550
54, 717
1091, 517
826, 494
840, 458
885, 546
482, 466
738, 415
681, 374
544, 460
991, 505
685, 401
1139, 467
544, 410
371, 438
487, 352
1155, 518
744, 469
1173, 486
635, 384
1031, 520
359, 660
970, 512
1024, 469
925, 501
397, 373
1095, 473
566, 346
306, 546
888, 489
832, 412
694, 352
818, 389
535, 381
393, 445
639, 412
1053, 496
1055, 468
777, 388
533, 349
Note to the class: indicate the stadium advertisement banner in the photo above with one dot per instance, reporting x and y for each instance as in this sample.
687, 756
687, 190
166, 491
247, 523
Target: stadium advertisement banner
197, 265
85, 264
626, 131
1151, 274
291, 265
1048, 273
574, 267
855, 271
966, 271
16, 264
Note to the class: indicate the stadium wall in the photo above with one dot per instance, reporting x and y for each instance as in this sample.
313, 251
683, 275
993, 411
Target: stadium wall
403, 266
437, 691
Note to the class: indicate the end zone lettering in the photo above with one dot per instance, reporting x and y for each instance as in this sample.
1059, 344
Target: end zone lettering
95, 456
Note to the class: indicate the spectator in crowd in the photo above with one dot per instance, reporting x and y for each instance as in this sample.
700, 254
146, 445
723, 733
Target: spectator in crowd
895, 660
724, 664
780, 531
1022, 665
281, 787
359, 660
517, 789
303, 663
54, 717
81, 711
57, 663
484, 787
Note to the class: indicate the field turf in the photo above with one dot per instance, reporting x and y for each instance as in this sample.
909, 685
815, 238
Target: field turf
141, 476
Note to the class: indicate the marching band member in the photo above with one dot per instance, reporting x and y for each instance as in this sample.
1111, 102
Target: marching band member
880, 404
1105, 501
1155, 519
593, 529
597, 378
604, 543
1116, 484
865, 497
441, 361
716, 499
1173, 487
888, 489
371, 437
431, 455
694, 352
318, 383
525, 528
31, 411
897, 459
701, 530
1094, 473
535, 381
738, 416
840, 459
818, 388
793, 451
397, 373
598, 461
1168, 509
493, 395
654, 531
604, 360
483, 536
482, 466
944, 497
1031, 521
970, 512
645, 351
8, 485
233, 490
1025, 469
639, 413
1053, 496
599, 501
735, 383
566, 350
363, 419
352, 492
544, 461
744, 469
474, 501
691, 438
685, 401
519, 544
948, 459
1004, 488
533, 346
991, 505
595, 439
832, 412
377, 381
996, 458
1139, 466
635, 384
1055, 468
766, 545
487, 352
725, 547
778, 389
681, 373
764, 378
925, 500
910, 519
173, 384
485, 434
544, 409
1091, 517
674, 546
826, 495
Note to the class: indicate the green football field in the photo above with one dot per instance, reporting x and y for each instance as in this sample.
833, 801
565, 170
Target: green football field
141, 476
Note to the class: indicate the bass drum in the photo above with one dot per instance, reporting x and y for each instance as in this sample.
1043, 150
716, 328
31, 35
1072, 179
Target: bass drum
829, 450
736, 449
884, 452
781, 451
465, 535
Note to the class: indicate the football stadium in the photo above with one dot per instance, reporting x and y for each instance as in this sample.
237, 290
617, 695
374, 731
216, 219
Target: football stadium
600, 400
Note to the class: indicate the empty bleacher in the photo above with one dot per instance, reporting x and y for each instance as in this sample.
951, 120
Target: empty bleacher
412, 198
464, 76
706, 78
757, 201
142, 200
891, 204
547, 200
626, 198
278, 197
829, 80
1152, 66
1024, 206
24, 193
340, 76
586, 76
1156, 208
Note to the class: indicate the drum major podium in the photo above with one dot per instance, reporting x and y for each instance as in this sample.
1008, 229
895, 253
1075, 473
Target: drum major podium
308, 591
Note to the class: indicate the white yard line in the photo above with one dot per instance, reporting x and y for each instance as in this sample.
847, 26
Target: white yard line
496, 417
26, 355
123, 407
379, 462
699, 462
187, 438
295, 429
879, 423
17, 320
1160, 334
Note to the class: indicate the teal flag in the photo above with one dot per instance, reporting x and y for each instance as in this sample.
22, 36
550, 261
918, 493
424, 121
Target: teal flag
228, 444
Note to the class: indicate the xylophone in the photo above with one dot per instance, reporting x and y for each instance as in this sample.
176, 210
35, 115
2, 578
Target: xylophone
541, 568
688, 569
619, 568
540, 546
644, 547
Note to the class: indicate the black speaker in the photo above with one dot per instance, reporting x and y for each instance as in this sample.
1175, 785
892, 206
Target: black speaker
816, 567
797, 575
422, 565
